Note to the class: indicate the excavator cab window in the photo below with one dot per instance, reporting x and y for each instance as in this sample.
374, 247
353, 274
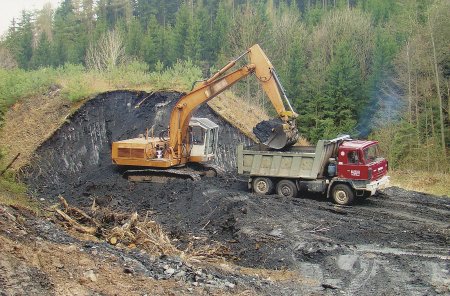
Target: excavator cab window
198, 135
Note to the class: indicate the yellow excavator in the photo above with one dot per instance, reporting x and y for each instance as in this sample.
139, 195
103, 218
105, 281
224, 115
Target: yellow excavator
194, 140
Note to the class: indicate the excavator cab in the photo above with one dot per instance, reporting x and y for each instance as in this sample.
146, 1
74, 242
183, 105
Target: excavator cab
204, 134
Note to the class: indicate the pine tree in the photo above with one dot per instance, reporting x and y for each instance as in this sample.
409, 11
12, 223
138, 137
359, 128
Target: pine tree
220, 31
70, 40
41, 55
345, 89
20, 40
134, 40
180, 31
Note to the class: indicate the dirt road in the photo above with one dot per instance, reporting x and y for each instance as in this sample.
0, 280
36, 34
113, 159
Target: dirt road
393, 244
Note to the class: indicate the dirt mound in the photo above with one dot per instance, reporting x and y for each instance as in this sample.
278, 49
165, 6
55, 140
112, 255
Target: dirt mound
38, 258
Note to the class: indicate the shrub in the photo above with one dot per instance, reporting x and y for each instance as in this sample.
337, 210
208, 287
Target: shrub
17, 83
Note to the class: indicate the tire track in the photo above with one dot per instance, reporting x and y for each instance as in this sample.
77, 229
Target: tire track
369, 270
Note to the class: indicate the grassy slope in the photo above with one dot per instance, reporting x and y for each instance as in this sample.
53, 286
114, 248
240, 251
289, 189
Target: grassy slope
432, 183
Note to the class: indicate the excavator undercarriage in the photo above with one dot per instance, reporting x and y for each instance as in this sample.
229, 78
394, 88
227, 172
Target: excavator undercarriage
193, 172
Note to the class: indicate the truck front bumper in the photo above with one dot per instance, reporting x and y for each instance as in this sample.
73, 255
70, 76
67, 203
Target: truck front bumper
377, 185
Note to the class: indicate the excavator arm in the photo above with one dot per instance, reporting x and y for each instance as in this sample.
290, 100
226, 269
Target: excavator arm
281, 136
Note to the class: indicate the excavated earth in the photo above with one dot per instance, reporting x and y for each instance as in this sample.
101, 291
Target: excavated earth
395, 243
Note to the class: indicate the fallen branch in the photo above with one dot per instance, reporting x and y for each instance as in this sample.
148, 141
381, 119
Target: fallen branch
10, 164
75, 224
63, 201
151, 240
67, 209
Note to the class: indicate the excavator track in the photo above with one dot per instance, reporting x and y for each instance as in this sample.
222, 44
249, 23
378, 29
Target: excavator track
212, 170
160, 176
194, 172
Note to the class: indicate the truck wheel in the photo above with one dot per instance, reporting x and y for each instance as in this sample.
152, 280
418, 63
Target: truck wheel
342, 194
262, 185
287, 188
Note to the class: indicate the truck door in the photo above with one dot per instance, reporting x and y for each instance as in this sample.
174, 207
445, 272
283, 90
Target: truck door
350, 165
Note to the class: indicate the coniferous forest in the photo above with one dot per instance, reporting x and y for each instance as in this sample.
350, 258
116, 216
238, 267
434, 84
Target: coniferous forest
369, 68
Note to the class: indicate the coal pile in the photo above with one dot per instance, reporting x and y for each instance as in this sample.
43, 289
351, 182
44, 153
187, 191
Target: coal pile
263, 130
78, 155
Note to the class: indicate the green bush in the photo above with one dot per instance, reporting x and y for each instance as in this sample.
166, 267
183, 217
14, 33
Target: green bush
180, 76
78, 83
17, 83
132, 74
404, 149
75, 87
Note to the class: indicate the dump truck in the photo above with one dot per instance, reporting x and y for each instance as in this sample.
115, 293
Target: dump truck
341, 168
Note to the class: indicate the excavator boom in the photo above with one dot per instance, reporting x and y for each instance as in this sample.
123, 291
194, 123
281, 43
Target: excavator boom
280, 136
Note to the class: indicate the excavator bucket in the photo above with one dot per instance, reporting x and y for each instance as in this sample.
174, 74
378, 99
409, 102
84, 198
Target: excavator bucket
275, 134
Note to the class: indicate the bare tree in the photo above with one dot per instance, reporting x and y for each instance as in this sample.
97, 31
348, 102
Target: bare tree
43, 24
7, 60
433, 17
108, 53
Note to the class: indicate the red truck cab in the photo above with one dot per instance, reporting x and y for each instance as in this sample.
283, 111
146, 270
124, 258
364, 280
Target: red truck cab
360, 166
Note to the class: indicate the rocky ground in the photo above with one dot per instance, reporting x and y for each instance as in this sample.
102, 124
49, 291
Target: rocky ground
395, 243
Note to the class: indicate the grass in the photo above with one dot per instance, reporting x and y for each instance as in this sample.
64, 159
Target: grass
14, 193
77, 82
428, 182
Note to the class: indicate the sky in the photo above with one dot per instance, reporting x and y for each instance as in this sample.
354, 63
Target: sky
12, 9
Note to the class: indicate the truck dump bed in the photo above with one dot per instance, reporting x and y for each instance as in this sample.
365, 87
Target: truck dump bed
307, 162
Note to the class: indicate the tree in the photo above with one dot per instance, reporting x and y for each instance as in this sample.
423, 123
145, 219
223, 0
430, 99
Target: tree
383, 104
134, 41
251, 25
180, 31
41, 56
436, 15
69, 37
7, 60
107, 53
344, 89
220, 31
43, 23
20, 40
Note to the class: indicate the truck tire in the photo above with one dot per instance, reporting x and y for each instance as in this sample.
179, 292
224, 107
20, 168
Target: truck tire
287, 188
342, 194
262, 185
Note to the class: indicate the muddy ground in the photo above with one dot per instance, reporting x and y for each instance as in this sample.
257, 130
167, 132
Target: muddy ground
395, 243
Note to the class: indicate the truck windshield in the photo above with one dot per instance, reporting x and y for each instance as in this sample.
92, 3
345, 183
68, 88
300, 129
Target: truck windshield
371, 153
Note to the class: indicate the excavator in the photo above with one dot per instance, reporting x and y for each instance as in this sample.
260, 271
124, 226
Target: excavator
191, 140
